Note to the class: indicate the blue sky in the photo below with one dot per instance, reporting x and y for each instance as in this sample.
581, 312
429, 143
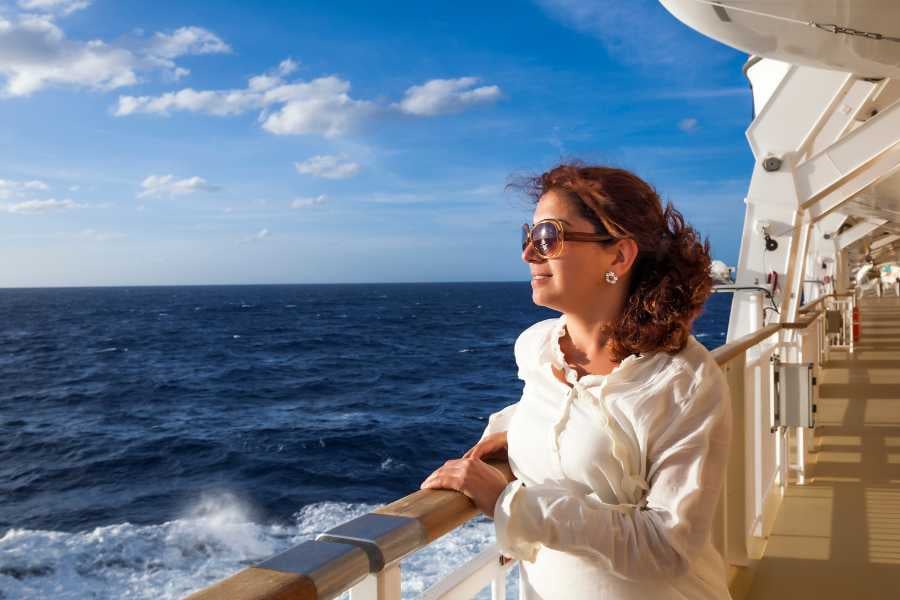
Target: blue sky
303, 142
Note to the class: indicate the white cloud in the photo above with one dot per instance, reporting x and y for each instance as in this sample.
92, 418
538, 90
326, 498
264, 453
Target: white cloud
187, 40
42, 206
287, 66
10, 188
688, 125
267, 81
442, 96
321, 106
328, 167
307, 202
167, 185
184, 41
61, 7
219, 103
36, 53
256, 237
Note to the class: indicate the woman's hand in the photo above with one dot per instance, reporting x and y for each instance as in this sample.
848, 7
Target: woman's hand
492, 446
476, 479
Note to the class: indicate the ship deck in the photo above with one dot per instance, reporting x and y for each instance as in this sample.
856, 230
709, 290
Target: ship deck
838, 535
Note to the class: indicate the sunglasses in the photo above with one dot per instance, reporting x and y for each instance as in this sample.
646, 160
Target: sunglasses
547, 237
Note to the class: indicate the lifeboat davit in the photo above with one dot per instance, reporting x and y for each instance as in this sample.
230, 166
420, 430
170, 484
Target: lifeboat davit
856, 36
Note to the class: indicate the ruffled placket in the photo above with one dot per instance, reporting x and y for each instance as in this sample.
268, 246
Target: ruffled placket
574, 392
633, 485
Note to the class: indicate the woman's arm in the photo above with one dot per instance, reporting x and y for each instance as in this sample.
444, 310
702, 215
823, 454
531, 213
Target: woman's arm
687, 465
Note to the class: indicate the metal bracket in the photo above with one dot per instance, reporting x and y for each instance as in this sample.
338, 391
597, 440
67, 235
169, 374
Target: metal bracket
309, 557
384, 538
776, 392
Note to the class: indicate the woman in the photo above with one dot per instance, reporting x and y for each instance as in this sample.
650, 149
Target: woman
619, 443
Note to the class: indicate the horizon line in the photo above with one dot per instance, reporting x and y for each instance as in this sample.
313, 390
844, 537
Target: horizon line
162, 285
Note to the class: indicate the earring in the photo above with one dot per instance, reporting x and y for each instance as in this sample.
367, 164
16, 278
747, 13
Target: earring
611, 277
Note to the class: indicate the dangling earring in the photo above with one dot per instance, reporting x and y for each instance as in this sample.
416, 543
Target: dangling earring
611, 277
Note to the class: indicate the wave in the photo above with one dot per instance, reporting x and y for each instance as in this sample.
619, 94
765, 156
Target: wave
216, 537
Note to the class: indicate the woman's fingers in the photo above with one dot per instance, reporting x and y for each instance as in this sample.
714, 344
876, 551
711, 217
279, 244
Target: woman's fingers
492, 444
479, 481
478, 451
446, 477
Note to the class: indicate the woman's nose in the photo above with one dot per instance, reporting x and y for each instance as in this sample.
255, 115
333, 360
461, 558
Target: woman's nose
529, 255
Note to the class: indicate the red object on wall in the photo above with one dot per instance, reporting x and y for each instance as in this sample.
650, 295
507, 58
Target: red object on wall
855, 323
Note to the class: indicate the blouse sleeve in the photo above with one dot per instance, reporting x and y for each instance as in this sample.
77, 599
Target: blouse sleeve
524, 351
499, 421
687, 460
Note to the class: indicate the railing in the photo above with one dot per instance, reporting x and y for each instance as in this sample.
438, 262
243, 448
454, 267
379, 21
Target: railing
364, 556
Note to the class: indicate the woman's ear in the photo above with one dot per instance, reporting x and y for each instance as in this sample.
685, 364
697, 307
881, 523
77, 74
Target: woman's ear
626, 251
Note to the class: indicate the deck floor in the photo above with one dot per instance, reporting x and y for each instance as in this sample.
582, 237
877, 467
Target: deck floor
838, 536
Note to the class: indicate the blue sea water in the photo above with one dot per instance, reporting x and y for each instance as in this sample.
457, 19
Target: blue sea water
154, 440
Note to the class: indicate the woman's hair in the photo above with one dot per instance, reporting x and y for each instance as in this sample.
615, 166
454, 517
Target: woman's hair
670, 279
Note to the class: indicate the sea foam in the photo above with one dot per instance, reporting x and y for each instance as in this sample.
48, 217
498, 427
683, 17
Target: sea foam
214, 539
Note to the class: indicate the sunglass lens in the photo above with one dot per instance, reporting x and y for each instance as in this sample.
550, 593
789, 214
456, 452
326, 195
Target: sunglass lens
545, 238
526, 235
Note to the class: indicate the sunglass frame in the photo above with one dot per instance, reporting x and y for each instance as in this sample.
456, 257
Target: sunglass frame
561, 237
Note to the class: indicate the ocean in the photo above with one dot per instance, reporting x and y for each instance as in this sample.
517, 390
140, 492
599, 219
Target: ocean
156, 439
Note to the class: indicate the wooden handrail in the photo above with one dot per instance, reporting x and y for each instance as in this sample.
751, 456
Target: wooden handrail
803, 322
437, 513
726, 352
254, 583
809, 306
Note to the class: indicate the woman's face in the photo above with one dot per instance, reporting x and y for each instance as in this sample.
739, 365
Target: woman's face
574, 281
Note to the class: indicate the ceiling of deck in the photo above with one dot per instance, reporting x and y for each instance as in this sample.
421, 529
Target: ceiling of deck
881, 201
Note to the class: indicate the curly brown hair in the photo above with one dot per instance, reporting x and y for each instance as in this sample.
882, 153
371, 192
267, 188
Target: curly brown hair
670, 279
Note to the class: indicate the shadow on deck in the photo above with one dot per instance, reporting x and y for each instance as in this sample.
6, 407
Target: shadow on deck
838, 536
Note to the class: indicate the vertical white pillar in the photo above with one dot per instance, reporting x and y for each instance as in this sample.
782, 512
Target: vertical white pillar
498, 586
379, 586
755, 316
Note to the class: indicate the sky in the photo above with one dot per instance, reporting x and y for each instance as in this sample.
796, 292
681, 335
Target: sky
240, 142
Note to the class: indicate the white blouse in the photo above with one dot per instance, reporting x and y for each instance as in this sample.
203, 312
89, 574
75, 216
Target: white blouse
618, 474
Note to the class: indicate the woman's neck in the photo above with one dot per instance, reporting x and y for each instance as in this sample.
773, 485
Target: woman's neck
587, 334
585, 346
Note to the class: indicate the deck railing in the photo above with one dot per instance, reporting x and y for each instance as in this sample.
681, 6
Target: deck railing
364, 556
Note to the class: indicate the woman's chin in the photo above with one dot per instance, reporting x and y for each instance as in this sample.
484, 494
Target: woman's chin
541, 294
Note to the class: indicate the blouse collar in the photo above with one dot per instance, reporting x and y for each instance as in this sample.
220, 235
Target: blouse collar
554, 355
